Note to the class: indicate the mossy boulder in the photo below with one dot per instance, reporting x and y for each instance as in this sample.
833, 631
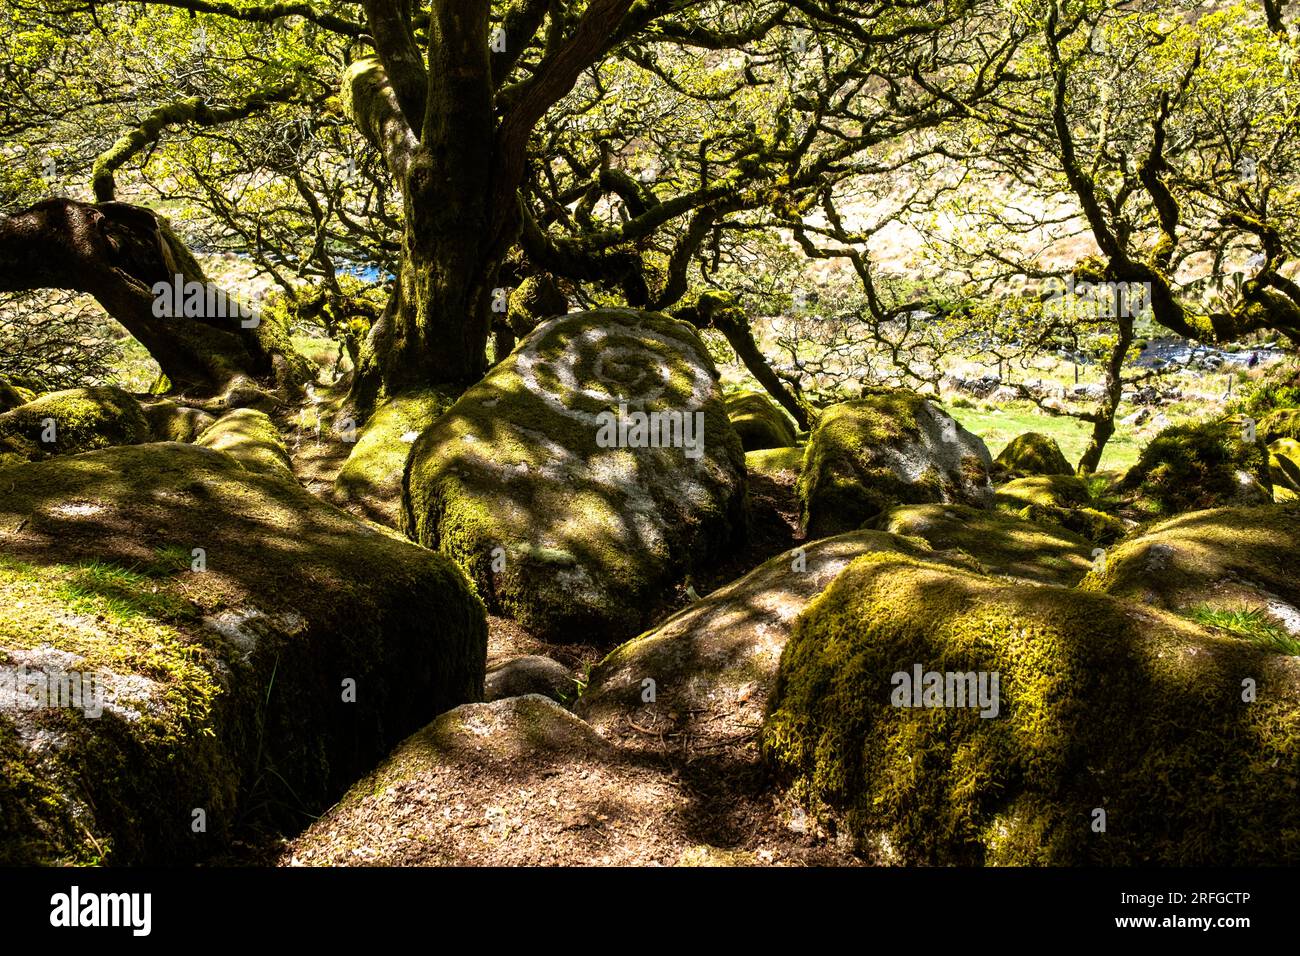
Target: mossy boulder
257, 649
1284, 469
79, 419
780, 464
1060, 500
566, 522
1033, 454
11, 395
251, 438
713, 663
1280, 423
1002, 544
370, 482
1228, 559
1188, 742
891, 447
759, 421
1203, 465
171, 422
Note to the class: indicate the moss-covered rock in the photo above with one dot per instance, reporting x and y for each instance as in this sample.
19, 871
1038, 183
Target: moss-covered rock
1228, 559
1187, 741
1002, 544
713, 663
78, 419
564, 523
1060, 500
171, 422
1033, 454
530, 674
1204, 465
370, 482
11, 395
258, 649
1284, 469
777, 463
1280, 423
892, 447
251, 438
759, 421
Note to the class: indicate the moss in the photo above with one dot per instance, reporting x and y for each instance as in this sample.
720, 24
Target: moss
1061, 500
11, 396
1205, 465
1001, 543
773, 462
567, 537
171, 422
370, 482
1235, 558
224, 677
1033, 454
78, 419
759, 421
889, 448
251, 438
536, 298
1101, 704
1281, 423
1284, 469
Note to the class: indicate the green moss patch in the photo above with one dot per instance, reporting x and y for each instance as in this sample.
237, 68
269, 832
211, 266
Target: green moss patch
1284, 468
79, 419
1102, 706
1033, 454
1205, 465
759, 421
251, 438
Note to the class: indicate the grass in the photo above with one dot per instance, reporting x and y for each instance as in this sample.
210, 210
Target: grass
1253, 625
998, 425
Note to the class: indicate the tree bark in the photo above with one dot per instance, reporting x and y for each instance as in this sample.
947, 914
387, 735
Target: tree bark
117, 252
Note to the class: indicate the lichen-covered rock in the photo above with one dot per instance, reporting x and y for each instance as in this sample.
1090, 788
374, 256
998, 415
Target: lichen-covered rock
565, 521
1284, 468
1101, 706
711, 666
74, 420
1205, 465
1033, 454
370, 481
1001, 543
891, 447
171, 422
1061, 500
530, 674
1280, 423
1230, 559
251, 438
759, 421
257, 650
